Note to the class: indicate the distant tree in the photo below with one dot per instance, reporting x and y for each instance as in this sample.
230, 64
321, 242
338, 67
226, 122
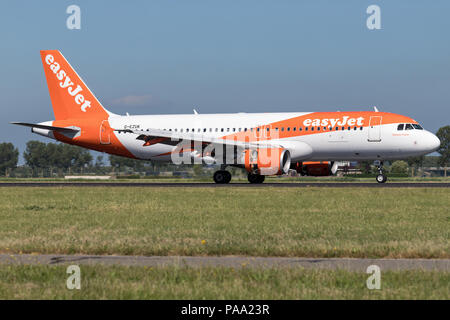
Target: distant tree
99, 161
39, 155
82, 157
124, 164
431, 161
35, 154
399, 166
444, 150
8, 157
415, 163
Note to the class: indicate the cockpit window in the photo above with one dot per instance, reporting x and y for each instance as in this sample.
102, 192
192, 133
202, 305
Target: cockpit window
409, 126
400, 126
417, 126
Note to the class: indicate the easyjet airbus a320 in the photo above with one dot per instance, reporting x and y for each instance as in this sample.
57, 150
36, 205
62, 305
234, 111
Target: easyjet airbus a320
260, 143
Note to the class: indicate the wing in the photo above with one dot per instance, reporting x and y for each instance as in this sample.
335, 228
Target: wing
154, 136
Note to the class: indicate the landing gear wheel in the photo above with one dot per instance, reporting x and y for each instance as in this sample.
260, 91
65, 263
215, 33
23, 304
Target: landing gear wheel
381, 178
222, 177
255, 178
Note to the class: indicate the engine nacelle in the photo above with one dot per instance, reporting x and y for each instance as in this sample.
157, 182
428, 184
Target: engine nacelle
267, 161
313, 168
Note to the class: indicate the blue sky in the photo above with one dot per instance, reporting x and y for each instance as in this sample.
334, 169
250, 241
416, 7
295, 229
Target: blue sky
165, 56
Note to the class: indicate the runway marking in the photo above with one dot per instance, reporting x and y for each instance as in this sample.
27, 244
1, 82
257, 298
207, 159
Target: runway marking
350, 264
231, 185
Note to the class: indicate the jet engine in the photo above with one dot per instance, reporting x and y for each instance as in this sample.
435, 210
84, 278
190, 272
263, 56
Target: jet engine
267, 161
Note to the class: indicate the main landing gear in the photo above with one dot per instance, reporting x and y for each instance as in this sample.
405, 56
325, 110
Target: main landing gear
222, 177
381, 177
255, 178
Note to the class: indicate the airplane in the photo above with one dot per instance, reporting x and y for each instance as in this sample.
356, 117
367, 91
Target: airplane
260, 143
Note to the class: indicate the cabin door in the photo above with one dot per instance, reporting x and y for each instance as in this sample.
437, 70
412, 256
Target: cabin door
375, 129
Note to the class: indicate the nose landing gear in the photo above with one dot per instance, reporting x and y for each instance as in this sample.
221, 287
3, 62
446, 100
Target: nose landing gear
381, 177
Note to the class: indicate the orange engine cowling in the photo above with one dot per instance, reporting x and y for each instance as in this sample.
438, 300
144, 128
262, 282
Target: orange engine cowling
267, 161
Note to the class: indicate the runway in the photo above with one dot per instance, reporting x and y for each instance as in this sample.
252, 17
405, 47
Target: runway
231, 185
349, 264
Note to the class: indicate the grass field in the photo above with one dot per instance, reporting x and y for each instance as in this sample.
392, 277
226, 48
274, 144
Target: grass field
309, 222
100, 282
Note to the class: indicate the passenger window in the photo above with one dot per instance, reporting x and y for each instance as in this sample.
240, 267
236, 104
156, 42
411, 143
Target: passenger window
318, 128
400, 126
204, 129
360, 128
282, 129
288, 129
300, 129
294, 128
221, 129
306, 128
409, 126
312, 128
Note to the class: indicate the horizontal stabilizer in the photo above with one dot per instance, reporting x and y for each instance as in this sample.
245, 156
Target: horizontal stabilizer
41, 126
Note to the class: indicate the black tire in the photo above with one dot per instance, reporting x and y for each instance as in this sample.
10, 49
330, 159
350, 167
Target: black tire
227, 177
255, 178
381, 178
222, 177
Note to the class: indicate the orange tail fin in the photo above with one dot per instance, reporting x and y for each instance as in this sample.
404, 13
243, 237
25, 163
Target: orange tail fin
71, 98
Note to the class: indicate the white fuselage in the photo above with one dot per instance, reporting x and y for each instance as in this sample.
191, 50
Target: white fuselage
352, 143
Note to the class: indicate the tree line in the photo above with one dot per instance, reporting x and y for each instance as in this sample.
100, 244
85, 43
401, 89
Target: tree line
48, 159
58, 159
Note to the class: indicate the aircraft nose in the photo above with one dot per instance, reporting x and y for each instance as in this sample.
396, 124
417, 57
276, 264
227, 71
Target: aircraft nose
432, 142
